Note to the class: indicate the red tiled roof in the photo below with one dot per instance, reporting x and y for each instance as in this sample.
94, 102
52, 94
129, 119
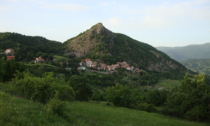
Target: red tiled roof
10, 57
87, 59
40, 58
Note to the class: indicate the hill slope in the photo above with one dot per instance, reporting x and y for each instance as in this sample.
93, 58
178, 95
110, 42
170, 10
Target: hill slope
99, 43
198, 65
28, 47
19, 111
94, 114
201, 51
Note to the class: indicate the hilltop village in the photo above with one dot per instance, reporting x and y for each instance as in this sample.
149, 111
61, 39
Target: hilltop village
83, 64
88, 63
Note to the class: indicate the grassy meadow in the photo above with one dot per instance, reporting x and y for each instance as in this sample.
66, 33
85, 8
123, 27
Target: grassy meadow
18, 111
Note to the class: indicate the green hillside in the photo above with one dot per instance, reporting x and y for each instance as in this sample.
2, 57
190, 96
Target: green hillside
96, 114
18, 111
99, 43
201, 51
29, 47
198, 65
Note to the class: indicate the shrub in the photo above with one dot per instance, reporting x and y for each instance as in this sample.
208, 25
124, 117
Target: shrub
64, 92
191, 100
56, 106
81, 87
146, 107
198, 113
37, 89
156, 97
119, 95
42, 89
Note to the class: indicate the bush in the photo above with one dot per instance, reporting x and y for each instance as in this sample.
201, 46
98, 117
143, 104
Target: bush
156, 97
119, 95
146, 107
56, 106
42, 89
198, 113
64, 92
81, 87
37, 89
191, 100
98, 95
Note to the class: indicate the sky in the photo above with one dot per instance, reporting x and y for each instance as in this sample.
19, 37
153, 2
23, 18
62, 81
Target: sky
156, 22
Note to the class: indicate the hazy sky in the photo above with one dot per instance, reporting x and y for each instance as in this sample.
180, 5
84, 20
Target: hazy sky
156, 22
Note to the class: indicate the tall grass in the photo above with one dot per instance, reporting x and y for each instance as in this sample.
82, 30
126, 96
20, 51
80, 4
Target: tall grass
18, 111
93, 114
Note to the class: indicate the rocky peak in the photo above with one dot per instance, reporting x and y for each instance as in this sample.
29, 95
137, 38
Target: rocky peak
99, 29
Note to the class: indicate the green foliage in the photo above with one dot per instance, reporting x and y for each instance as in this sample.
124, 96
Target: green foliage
27, 47
146, 107
64, 92
136, 80
39, 69
98, 95
100, 44
18, 111
156, 97
198, 65
56, 106
119, 95
37, 89
168, 84
8, 69
43, 89
82, 88
94, 114
191, 100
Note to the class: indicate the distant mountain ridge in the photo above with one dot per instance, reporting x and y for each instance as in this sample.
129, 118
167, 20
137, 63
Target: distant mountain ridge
199, 51
101, 44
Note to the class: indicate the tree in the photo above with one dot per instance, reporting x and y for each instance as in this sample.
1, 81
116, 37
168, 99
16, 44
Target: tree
81, 86
119, 95
156, 97
191, 100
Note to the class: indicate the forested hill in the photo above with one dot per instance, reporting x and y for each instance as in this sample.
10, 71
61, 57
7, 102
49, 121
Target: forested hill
29, 47
200, 51
101, 44
97, 43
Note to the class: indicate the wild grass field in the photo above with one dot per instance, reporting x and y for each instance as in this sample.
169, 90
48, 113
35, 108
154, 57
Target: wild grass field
18, 111
168, 83
95, 114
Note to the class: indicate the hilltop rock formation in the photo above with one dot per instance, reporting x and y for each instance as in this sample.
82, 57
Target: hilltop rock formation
101, 44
